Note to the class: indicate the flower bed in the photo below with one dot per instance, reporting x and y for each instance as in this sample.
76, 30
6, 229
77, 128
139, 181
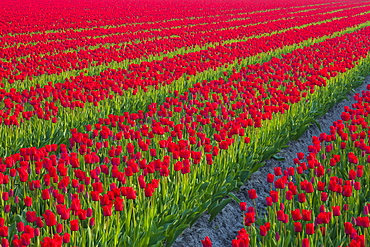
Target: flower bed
149, 175
323, 200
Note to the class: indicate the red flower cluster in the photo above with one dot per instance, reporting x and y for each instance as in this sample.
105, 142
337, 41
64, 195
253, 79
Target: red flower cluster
54, 57
327, 177
44, 102
122, 170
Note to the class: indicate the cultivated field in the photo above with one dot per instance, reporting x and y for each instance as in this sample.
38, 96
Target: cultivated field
122, 122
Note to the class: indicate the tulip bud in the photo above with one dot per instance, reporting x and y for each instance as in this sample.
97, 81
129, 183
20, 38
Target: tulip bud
277, 236
357, 185
310, 229
243, 206
270, 178
305, 242
66, 238
59, 228
268, 201
4, 242
206, 242
252, 194
263, 230
302, 198
20, 226
74, 225
92, 222
277, 171
297, 226
28, 201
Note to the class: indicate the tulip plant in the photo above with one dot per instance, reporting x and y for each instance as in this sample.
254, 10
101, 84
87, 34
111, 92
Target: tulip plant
89, 164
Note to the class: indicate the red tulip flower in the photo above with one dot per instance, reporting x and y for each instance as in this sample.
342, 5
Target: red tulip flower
336, 210
306, 215
206, 242
270, 178
310, 229
50, 219
302, 198
243, 206
263, 230
28, 201
297, 227
296, 214
347, 191
252, 194
74, 225
305, 242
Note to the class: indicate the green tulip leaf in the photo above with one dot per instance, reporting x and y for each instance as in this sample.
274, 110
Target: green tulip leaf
214, 211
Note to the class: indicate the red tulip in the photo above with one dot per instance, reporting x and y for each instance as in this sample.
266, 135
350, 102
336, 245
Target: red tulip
268, 201
363, 221
249, 218
107, 210
252, 194
4, 242
74, 225
302, 198
324, 196
306, 215
263, 230
289, 195
49, 217
310, 229
20, 226
28, 201
206, 242
270, 178
243, 206
296, 214
347, 191
277, 171
274, 195
305, 242
336, 210
25, 239
66, 238
31, 216
3, 231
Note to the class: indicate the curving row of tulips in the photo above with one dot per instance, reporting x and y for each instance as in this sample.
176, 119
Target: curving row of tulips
324, 199
139, 179
82, 100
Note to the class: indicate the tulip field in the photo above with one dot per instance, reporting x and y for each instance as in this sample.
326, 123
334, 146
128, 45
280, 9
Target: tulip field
122, 122
324, 200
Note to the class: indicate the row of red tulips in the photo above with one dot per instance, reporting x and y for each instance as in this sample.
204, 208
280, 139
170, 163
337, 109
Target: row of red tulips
40, 64
99, 37
324, 199
139, 174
